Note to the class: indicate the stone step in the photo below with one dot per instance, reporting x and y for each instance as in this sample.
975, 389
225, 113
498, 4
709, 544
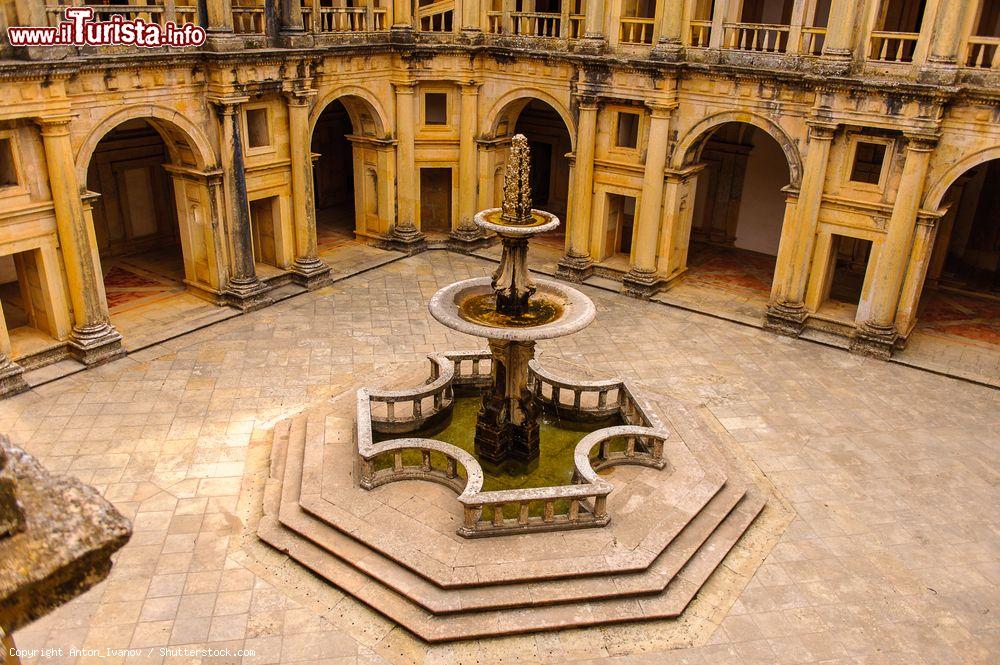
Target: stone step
619, 557
498, 622
436, 600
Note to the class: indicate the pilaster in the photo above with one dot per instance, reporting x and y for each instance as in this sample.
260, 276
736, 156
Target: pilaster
93, 339
577, 265
308, 270
787, 312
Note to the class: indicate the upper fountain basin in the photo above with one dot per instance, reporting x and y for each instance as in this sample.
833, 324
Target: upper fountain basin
491, 220
566, 311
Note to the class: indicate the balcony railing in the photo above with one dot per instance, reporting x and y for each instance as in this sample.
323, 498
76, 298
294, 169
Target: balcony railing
766, 37
636, 30
545, 25
701, 34
892, 46
345, 19
812, 40
436, 16
982, 52
249, 20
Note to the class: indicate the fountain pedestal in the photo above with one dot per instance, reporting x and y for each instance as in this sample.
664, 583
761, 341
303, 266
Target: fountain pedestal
507, 426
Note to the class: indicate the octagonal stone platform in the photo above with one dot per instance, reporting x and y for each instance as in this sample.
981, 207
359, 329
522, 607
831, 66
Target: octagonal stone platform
395, 547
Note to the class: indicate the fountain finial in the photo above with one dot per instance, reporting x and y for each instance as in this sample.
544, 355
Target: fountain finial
516, 208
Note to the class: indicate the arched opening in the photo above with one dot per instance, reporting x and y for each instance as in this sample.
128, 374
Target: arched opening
549, 142
961, 291
738, 211
135, 217
349, 195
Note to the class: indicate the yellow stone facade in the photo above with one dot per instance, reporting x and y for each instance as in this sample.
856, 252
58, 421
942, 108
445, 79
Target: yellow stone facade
650, 96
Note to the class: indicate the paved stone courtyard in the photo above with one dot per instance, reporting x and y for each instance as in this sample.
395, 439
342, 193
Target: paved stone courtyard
893, 472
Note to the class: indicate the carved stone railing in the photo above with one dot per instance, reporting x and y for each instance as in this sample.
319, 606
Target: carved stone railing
892, 46
151, 13
636, 30
700, 34
581, 504
344, 19
249, 20
438, 16
982, 52
419, 406
765, 37
812, 40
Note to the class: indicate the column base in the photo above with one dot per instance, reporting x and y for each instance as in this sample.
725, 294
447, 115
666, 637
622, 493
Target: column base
402, 34
939, 72
221, 42
642, 284
592, 45
295, 39
467, 239
404, 238
875, 340
667, 52
834, 63
575, 268
469, 35
311, 273
96, 344
11, 378
786, 318
246, 294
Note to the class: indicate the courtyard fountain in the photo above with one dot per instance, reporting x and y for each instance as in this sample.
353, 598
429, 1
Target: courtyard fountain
616, 503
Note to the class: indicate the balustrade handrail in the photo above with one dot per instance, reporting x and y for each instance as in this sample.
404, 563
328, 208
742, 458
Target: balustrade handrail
768, 37
880, 41
700, 33
982, 52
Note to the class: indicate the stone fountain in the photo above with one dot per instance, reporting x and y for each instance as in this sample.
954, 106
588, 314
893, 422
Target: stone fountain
512, 312
622, 502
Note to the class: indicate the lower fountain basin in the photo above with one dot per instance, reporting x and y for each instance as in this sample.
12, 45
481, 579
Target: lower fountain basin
558, 310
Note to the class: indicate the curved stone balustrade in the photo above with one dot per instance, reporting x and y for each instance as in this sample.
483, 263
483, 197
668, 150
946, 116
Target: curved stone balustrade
578, 505
438, 391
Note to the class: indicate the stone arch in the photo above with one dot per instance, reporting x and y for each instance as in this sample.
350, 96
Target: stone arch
688, 148
360, 103
187, 143
509, 106
935, 193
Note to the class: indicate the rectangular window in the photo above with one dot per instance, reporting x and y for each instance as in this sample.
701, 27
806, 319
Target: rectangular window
258, 135
8, 167
628, 130
868, 161
436, 108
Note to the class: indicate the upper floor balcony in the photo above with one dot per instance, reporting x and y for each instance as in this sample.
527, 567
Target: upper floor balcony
900, 38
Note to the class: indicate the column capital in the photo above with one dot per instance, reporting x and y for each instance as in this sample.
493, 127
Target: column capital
588, 101
822, 130
404, 87
470, 87
300, 97
228, 104
55, 125
660, 109
921, 141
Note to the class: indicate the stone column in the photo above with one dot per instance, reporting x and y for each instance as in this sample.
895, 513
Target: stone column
594, 40
93, 339
405, 236
924, 238
467, 234
840, 32
642, 281
787, 312
244, 290
472, 25
308, 269
577, 264
293, 29
946, 37
678, 209
877, 333
670, 45
402, 15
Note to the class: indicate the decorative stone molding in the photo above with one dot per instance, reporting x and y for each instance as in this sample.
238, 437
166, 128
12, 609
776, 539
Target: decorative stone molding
585, 499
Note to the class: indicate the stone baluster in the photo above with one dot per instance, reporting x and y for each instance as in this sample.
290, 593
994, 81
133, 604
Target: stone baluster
641, 280
787, 312
93, 339
308, 269
880, 296
244, 290
577, 264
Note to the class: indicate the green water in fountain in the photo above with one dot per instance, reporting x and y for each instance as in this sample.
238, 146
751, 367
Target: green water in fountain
554, 467
482, 309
